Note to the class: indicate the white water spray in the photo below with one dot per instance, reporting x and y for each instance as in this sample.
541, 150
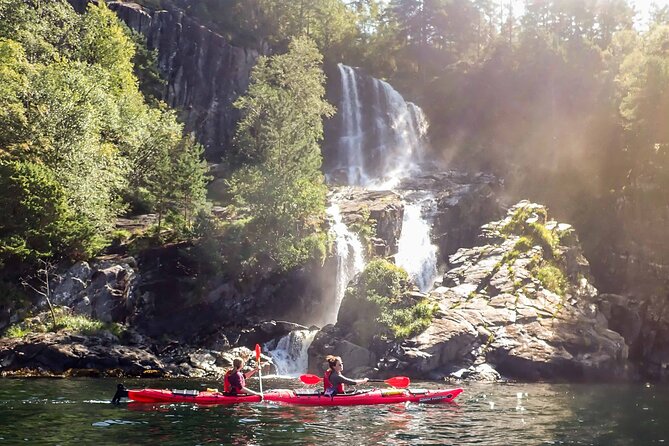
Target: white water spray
416, 253
290, 354
350, 260
351, 140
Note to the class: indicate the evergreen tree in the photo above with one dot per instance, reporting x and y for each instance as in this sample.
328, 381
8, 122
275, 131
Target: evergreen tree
278, 139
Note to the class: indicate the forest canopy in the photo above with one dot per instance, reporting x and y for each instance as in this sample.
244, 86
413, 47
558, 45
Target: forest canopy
77, 135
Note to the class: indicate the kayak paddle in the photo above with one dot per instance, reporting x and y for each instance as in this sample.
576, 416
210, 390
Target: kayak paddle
259, 368
396, 381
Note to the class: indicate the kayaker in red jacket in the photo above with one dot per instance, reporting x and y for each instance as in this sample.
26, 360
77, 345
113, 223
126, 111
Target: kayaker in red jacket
235, 379
333, 380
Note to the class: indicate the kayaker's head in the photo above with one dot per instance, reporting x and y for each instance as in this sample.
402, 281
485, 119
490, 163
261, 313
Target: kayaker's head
335, 362
237, 363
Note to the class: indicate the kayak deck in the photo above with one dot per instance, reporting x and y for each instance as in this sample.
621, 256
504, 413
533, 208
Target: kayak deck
359, 398
188, 396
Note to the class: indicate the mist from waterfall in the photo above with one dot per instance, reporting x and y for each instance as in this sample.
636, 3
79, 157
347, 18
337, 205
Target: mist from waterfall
416, 252
380, 142
350, 259
290, 354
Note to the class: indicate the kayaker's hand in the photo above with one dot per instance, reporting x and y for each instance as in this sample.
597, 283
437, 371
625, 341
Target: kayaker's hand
363, 381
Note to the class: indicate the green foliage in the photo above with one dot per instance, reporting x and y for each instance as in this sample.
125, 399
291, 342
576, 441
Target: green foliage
379, 305
523, 244
552, 278
75, 323
535, 232
406, 322
37, 220
105, 42
277, 141
72, 115
383, 282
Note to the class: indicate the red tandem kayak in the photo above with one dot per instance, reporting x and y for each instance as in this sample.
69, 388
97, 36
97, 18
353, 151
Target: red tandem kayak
286, 396
363, 397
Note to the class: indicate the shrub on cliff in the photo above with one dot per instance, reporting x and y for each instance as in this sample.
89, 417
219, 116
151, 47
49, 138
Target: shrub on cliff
379, 304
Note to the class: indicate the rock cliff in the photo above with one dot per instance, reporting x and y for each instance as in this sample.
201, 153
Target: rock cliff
204, 73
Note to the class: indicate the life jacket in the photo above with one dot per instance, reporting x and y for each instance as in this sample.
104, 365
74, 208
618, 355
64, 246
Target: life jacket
227, 385
328, 385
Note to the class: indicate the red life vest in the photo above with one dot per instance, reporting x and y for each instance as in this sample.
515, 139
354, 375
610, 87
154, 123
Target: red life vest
227, 385
327, 385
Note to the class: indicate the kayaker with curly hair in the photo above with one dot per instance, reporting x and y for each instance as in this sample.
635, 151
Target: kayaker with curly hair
333, 380
235, 379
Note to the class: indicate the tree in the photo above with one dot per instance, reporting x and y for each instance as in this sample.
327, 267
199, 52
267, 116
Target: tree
186, 182
278, 140
43, 279
36, 220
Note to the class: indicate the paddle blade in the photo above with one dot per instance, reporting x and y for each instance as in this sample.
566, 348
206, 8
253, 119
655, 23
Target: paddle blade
398, 381
258, 353
310, 379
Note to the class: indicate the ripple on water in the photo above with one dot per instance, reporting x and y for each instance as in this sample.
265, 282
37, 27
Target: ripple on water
107, 423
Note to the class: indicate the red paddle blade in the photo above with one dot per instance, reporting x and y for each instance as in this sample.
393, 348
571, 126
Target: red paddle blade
258, 353
398, 381
310, 379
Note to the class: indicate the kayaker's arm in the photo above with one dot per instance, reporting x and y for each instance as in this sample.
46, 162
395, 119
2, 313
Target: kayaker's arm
249, 391
337, 379
252, 371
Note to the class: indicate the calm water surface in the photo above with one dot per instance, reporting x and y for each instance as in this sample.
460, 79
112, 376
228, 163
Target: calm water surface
77, 411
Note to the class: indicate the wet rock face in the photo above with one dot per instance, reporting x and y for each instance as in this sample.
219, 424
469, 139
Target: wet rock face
513, 308
204, 73
500, 308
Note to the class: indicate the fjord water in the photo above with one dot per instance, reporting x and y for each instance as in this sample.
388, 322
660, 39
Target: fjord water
77, 411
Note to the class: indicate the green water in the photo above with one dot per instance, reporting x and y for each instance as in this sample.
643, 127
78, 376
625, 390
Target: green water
78, 412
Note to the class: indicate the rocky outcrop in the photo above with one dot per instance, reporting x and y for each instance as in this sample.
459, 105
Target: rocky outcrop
516, 305
59, 352
464, 202
380, 210
103, 291
65, 354
204, 73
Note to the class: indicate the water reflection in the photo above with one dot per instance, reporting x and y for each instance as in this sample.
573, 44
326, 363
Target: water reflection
77, 412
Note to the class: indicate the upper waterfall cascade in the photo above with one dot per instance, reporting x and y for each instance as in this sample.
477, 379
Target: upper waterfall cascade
382, 137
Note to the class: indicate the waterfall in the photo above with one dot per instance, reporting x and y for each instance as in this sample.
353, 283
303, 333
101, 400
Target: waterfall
350, 260
416, 253
351, 139
382, 140
290, 353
